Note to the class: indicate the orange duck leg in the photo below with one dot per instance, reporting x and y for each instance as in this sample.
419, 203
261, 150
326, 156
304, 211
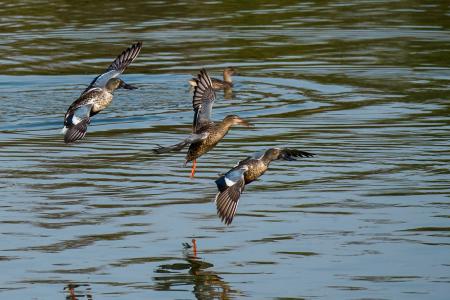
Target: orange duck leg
194, 165
194, 243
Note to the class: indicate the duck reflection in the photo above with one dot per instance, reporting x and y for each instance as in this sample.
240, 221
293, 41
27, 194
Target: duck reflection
78, 291
193, 271
228, 93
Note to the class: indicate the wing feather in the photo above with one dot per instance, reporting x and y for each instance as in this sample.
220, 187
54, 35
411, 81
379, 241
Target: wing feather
203, 100
228, 200
291, 154
77, 131
116, 67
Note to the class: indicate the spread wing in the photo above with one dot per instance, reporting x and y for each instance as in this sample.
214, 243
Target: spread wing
230, 186
202, 100
76, 123
84, 101
177, 147
254, 156
291, 154
117, 67
77, 132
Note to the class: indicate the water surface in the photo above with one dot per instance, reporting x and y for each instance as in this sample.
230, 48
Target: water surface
364, 85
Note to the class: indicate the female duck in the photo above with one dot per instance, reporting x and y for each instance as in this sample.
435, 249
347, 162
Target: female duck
206, 133
232, 184
218, 84
98, 95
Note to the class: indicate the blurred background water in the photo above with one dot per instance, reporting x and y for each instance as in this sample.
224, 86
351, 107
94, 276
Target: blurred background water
363, 84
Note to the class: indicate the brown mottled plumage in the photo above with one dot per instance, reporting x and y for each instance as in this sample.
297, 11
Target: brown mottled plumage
232, 184
216, 132
206, 133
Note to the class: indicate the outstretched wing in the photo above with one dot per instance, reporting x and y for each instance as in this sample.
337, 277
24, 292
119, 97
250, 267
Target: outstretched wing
202, 100
83, 101
291, 154
76, 122
77, 132
177, 147
228, 200
254, 156
117, 67
230, 186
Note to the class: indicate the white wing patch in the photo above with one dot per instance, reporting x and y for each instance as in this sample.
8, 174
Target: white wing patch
229, 182
75, 120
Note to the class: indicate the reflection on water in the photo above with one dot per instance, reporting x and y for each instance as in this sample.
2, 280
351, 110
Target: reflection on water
363, 84
195, 272
78, 291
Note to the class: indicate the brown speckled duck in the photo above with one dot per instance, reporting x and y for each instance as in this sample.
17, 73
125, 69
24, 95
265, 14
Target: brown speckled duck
218, 84
206, 134
232, 184
98, 95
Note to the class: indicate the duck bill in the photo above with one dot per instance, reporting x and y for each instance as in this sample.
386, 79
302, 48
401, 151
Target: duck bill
127, 86
244, 123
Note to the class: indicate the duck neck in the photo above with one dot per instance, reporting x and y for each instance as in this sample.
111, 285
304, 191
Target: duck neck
225, 125
266, 159
227, 77
109, 90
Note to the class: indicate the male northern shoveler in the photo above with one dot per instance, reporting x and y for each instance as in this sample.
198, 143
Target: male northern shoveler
232, 184
205, 133
218, 84
98, 95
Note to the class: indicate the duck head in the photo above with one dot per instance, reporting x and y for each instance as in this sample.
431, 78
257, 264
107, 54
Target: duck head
231, 120
117, 83
272, 154
228, 72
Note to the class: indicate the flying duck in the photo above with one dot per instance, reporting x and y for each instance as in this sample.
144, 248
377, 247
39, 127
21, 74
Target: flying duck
98, 95
206, 134
232, 184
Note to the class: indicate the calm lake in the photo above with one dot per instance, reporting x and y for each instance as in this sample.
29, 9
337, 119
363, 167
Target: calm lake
365, 85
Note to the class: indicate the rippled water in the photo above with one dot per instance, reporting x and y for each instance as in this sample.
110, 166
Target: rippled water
364, 85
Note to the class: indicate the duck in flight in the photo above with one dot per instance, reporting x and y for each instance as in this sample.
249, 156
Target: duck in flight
232, 184
98, 95
218, 84
206, 134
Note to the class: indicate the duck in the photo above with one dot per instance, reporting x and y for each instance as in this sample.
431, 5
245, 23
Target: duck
98, 95
231, 184
206, 134
218, 84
